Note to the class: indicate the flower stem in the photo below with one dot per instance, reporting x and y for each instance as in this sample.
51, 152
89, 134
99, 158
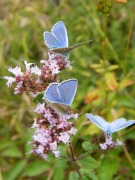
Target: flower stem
74, 159
127, 153
86, 155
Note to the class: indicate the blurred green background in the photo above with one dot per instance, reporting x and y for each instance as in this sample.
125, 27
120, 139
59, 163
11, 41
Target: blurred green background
105, 70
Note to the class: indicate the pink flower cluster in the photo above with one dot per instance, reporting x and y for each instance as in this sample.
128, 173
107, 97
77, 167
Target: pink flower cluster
50, 130
35, 80
109, 143
53, 66
105, 142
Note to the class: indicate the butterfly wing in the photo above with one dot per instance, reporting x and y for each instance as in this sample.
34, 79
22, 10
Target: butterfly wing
120, 124
54, 99
51, 94
67, 90
99, 121
65, 51
51, 41
58, 107
57, 38
60, 33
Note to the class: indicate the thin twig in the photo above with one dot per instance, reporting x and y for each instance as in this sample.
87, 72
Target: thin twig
127, 153
0, 175
128, 39
130, 33
74, 159
50, 174
86, 155
128, 156
64, 157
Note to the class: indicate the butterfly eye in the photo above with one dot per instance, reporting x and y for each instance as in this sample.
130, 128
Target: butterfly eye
108, 134
68, 113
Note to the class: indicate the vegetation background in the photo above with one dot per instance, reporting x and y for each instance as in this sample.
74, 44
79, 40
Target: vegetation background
105, 70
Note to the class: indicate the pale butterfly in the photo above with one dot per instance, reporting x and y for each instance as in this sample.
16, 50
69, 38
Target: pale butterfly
109, 127
59, 96
57, 40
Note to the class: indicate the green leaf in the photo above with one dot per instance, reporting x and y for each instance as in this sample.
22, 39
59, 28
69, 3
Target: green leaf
125, 101
130, 135
87, 146
15, 171
108, 167
73, 176
35, 168
88, 163
63, 150
12, 152
60, 165
88, 173
39, 98
85, 178
58, 174
5, 145
61, 162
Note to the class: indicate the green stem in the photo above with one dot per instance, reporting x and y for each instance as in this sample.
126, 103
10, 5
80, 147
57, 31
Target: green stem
86, 155
74, 159
127, 153
128, 41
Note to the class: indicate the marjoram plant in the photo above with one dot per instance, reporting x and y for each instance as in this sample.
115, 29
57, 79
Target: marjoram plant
56, 123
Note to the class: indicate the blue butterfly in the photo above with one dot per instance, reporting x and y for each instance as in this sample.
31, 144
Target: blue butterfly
110, 127
59, 96
57, 40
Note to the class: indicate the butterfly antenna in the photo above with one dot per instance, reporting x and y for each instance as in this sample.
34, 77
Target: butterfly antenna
80, 44
6, 66
23, 59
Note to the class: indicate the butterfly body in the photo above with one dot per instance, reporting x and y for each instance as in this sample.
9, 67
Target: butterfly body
65, 51
59, 96
110, 127
57, 40
61, 108
61, 51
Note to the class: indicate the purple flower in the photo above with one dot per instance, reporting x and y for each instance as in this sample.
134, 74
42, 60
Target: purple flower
28, 66
55, 63
103, 146
64, 137
51, 129
118, 142
56, 153
10, 80
62, 125
53, 146
35, 125
39, 149
16, 71
109, 143
72, 131
36, 70
40, 108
